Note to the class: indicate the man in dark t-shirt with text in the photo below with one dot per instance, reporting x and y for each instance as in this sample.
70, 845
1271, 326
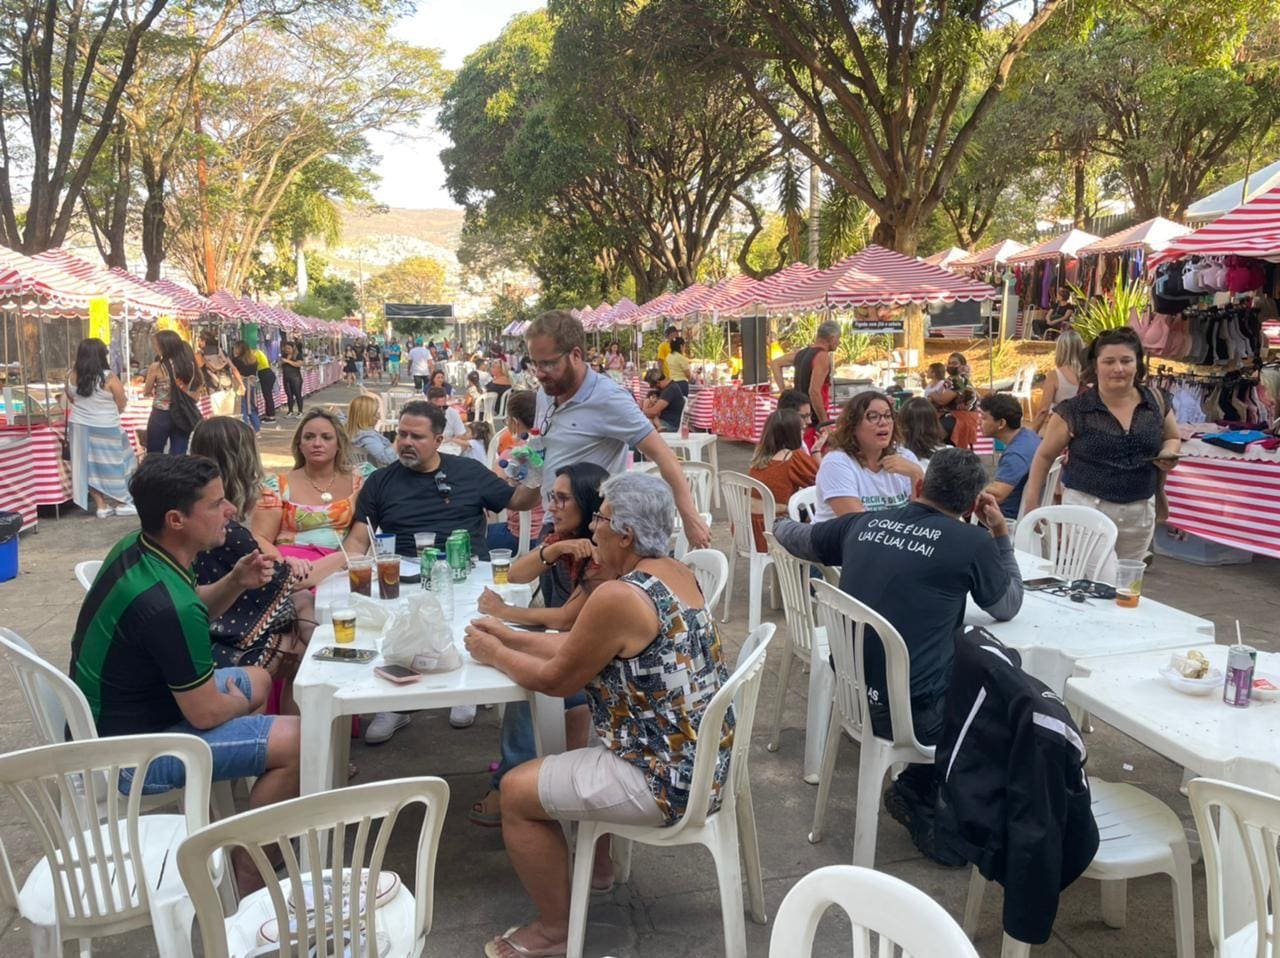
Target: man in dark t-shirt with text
916, 565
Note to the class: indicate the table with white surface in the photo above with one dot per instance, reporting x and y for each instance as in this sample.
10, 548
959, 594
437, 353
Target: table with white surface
1200, 733
1051, 632
694, 446
328, 693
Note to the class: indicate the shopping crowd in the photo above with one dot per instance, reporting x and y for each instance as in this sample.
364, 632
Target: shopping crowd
198, 619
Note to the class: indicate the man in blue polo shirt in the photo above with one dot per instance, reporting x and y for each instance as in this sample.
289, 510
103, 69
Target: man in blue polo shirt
1002, 420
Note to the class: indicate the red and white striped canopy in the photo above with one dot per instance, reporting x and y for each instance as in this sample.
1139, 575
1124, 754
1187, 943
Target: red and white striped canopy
1152, 235
997, 254
649, 310
877, 276
688, 301
188, 299
729, 291
135, 296
1067, 244
1251, 229
40, 283
623, 309
228, 306
946, 257
770, 291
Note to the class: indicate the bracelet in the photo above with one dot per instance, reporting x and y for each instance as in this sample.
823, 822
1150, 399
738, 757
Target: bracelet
543, 558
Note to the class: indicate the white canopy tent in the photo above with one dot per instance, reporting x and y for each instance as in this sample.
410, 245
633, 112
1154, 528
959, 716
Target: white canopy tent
1229, 197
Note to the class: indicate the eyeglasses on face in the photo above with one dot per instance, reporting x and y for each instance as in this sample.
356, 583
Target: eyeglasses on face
875, 418
561, 499
546, 365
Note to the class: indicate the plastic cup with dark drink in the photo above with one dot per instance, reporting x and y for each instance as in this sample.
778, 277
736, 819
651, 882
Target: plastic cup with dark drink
360, 575
389, 576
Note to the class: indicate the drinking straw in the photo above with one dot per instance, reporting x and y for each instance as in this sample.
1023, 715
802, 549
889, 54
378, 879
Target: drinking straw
1239, 640
372, 538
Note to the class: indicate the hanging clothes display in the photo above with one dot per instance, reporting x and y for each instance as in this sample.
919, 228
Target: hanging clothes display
1236, 399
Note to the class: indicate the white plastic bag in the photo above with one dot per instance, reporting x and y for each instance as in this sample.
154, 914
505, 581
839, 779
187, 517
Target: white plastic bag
419, 636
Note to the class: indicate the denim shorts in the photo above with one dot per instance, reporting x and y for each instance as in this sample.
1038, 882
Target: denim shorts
239, 746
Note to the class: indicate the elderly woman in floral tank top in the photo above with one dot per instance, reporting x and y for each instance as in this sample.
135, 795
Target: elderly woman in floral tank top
646, 650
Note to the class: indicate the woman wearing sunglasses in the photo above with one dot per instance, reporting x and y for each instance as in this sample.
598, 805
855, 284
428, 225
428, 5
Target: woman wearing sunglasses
865, 467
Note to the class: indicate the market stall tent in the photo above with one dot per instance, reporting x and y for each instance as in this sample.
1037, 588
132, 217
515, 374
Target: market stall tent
1151, 235
1251, 229
1066, 245
1229, 197
947, 257
775, 289
997, 254
877, 276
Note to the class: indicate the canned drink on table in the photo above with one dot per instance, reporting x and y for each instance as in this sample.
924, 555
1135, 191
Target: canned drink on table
458, 554
1239, 683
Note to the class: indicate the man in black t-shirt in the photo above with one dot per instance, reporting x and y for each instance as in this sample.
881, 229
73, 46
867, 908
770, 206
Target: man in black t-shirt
428, 491
667, 407
916, 565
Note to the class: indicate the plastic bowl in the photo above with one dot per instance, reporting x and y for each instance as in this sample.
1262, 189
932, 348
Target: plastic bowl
1202, 686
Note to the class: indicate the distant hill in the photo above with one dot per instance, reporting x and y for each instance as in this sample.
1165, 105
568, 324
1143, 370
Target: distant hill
370, 241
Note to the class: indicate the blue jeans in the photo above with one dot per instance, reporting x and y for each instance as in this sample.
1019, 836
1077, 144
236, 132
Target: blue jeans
501, 537
517, 735
239, 746
161, 431
249, 406
360, 371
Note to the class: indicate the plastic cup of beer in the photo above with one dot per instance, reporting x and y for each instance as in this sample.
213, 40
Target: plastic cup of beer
344, 626
360, 575
500, 559
1129, 573
422, 541
389, 576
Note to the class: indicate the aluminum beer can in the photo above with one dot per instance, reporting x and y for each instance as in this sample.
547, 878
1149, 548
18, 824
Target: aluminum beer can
1239, 682
458, 554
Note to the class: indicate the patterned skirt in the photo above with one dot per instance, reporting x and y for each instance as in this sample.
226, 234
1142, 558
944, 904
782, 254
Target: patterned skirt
101, 458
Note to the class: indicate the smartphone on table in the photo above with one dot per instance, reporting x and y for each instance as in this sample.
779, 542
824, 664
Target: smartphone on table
399, 674
342, 653
1044, 582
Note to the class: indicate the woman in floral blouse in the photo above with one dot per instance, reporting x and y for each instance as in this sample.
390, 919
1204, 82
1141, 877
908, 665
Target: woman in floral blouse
646, 649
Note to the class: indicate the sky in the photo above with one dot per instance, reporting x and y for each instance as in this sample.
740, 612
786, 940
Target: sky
411, 173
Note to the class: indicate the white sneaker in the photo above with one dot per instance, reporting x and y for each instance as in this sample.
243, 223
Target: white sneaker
383, 726
462, 716
126, 509
105, 513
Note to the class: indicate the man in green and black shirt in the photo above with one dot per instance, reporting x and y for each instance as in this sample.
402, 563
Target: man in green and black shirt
141, 651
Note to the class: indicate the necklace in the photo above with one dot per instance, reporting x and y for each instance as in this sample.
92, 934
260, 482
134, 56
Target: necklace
325, 495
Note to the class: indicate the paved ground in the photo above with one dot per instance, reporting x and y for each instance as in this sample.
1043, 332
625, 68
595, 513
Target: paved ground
670, 908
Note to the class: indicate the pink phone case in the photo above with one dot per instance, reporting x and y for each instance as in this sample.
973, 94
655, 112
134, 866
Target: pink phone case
397, 679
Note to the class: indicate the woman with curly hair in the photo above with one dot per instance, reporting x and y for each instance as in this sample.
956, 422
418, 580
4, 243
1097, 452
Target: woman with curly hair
865, 468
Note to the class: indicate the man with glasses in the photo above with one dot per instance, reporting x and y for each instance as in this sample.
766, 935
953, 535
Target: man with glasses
426, 490
587, 417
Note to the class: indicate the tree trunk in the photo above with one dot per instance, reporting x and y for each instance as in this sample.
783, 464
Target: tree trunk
899, 237
1077, 189
913, 331
118, 217
153, 224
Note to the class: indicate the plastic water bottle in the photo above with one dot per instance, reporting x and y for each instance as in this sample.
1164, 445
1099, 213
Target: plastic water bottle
442, 585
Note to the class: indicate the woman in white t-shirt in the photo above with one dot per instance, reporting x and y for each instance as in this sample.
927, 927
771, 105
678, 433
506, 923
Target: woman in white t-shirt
864, 469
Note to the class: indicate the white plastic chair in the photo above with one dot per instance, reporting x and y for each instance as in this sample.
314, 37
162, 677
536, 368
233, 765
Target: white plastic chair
843, 617
806, 641
1255, 818
807, 497
57, 705
86, 572
98, 879
1048, 494
718, 831
711, 569
876, 903
699, 476
1022, 383
737, 490
1079, 541
1139, 835
500, 410
483, 407
396, 398
362, 815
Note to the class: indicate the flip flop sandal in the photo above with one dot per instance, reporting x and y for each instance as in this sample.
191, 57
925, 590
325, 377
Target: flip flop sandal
491, 949
602, 889
478, 816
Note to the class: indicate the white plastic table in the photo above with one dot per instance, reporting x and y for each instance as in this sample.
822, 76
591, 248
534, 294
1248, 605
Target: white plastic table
693, 446
1052, 632
328, 693
1200, 733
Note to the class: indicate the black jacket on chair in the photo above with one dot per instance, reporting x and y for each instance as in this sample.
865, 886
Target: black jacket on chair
1013, 796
